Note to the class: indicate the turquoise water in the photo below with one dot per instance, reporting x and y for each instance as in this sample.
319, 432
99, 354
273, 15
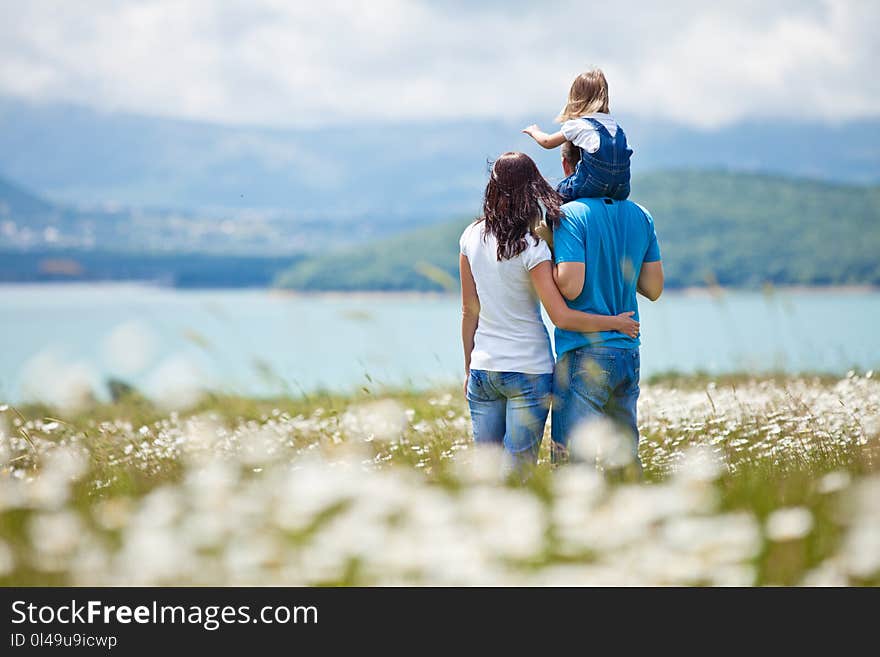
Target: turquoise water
261, 342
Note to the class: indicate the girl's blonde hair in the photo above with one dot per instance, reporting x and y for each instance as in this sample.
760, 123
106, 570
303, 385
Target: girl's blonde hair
588, 94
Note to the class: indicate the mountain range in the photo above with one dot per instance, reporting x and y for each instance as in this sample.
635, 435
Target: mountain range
405, 173
374, 206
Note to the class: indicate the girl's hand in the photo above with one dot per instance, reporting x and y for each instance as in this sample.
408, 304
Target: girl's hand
627, 325
544, 231
531, 130
466, 377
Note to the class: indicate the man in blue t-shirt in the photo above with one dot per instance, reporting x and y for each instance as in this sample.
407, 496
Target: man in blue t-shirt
605, 251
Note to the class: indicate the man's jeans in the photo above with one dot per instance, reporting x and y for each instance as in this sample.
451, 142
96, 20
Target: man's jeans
595, 382
510, 409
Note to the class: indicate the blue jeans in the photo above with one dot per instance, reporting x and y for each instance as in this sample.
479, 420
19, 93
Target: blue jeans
582, 185
510, 409
593, 382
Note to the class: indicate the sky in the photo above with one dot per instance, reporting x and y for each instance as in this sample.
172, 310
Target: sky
287, 63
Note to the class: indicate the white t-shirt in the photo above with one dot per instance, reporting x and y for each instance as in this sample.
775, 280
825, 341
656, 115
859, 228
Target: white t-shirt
584, 135
511, 336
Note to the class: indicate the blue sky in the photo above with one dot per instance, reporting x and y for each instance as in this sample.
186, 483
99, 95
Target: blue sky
278, 62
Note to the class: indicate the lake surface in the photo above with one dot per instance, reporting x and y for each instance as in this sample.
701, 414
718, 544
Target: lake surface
69, 336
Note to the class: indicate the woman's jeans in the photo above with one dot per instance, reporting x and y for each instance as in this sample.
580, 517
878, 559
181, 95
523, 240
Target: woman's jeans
510, 409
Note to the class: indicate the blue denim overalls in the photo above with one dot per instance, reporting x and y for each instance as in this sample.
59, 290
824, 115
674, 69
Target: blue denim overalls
603, 174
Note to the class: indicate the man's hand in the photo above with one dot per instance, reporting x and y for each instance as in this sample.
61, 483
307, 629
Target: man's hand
627, 325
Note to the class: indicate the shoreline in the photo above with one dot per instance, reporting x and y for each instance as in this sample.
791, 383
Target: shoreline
774, 289
714, 291
704, 292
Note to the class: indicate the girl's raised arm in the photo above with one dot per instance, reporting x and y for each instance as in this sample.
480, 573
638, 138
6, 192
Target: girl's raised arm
545, 140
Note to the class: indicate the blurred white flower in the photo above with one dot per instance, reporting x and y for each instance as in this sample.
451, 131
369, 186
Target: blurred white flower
200, 435
833, 482
309, 489
7, 559
861, 548
211, 484
721, 538
129, 348
699, 463
599, 441
4, 440
258, 447
55, 533
176, 383
113, 513
152, 555
578, 484
50, 378
829, 573
482, 463
517, 532
789, 524
737, 575
66, 463
89, 565
383, 420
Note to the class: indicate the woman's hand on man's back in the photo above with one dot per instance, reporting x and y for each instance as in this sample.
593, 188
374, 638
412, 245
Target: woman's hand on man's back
628, 326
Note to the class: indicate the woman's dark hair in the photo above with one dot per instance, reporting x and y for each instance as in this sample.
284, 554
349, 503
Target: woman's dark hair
515, 196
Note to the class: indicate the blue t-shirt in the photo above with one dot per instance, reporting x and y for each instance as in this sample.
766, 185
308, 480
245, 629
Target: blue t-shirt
612, 239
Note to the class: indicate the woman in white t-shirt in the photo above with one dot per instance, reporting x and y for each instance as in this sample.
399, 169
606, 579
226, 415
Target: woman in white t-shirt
505, 269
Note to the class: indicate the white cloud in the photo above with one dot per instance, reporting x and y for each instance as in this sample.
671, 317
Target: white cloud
287, 63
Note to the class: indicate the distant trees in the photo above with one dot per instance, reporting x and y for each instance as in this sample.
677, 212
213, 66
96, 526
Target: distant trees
731, 229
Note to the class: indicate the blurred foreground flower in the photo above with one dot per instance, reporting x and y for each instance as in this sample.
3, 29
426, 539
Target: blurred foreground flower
602, 442
383, 420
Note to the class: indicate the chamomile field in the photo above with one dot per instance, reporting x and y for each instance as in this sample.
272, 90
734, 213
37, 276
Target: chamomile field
770, 481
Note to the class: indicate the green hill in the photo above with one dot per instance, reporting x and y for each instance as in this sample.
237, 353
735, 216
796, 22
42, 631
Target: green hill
745, 230
422, 260
740, 230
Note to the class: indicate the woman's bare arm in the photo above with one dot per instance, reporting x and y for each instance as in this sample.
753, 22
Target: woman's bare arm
574, 320
545, 140
470, 310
